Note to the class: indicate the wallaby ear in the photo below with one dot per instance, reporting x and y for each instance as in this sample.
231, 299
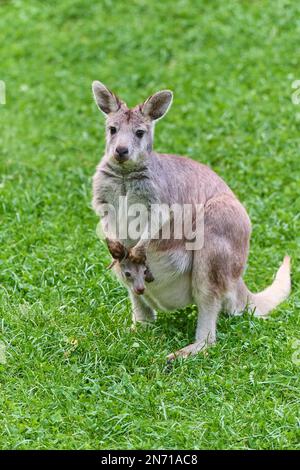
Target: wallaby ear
157, 105
137, 255
106, 100
116, 249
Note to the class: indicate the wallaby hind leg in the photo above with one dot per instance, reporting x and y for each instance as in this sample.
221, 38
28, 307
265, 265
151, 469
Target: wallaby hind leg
208, 310
208, 300
218, 265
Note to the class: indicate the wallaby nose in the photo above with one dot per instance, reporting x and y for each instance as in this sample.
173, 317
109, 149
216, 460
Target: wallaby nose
139, 290
121, 153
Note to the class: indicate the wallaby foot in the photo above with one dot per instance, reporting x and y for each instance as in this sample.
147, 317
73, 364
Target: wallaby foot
190, 350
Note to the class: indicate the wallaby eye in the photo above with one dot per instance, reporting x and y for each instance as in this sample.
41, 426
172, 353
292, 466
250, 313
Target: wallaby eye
127, 274
112, 130
139, 133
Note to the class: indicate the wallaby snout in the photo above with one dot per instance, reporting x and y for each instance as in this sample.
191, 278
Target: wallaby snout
139, 290
122, 154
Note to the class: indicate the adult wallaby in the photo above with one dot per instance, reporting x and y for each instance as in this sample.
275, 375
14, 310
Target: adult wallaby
210, 277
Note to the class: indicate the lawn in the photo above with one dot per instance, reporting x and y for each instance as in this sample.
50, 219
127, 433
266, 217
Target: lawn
72, 373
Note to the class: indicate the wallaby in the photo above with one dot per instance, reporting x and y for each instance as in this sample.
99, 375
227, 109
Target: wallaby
210, 277
132, 271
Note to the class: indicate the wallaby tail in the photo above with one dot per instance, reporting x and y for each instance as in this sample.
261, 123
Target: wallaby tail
268, 299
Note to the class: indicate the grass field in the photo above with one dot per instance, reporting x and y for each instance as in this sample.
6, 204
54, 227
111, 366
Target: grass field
72, 374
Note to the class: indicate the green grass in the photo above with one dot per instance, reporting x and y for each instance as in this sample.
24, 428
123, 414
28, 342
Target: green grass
75, 375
